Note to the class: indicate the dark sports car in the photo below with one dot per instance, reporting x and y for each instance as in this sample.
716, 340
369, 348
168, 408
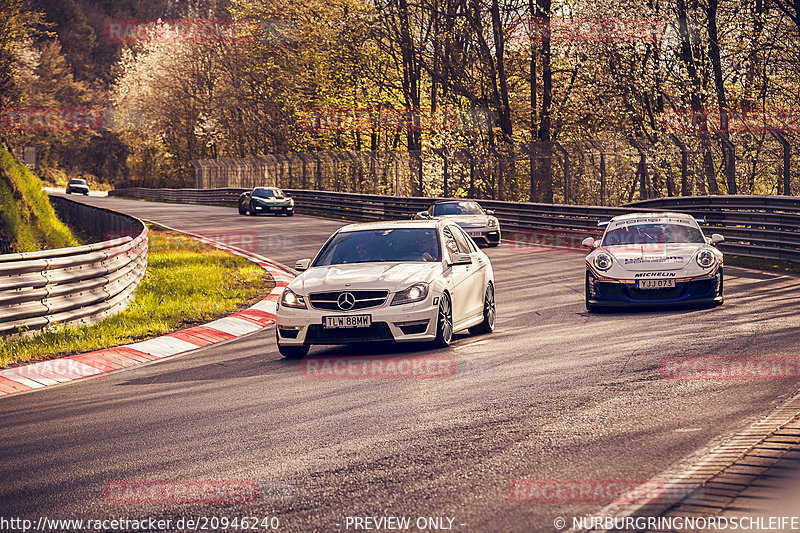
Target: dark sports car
266, 200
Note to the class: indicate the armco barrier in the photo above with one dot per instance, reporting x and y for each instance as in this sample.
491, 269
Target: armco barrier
82, 284
754, 226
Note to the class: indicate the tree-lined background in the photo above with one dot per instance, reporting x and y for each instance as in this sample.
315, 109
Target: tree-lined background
168, 103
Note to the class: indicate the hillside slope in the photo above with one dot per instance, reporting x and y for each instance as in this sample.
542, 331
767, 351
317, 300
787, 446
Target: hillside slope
27, 220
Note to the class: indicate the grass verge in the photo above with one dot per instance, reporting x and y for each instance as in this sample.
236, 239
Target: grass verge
762, 264
187, 283
27, 220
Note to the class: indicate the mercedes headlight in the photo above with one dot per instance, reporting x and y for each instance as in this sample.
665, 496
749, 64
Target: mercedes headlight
415, 293
705, 258
603, 261
291, 299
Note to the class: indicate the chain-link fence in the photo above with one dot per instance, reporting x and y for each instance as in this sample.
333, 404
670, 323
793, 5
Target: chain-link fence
590, 172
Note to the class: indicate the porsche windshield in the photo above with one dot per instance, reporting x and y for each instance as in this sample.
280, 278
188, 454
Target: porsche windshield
653, 233
380, 245
457, 208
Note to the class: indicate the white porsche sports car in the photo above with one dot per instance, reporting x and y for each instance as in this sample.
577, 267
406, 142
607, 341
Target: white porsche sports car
653, 259
382, 281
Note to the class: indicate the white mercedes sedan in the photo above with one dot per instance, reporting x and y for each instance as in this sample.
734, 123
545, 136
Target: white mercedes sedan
388, 281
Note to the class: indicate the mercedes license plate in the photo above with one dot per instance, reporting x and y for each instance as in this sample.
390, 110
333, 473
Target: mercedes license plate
354, 321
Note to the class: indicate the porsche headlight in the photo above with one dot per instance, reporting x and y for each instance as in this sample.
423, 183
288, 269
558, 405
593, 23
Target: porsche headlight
603, 261
493, 223
291, 299
705, 258
415, 293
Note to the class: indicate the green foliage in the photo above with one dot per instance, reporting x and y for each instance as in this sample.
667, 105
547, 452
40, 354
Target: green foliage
29, 222
186, 283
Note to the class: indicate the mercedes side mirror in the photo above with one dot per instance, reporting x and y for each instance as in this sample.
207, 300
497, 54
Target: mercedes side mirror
461, 259
716, 238
421, 215
302, 265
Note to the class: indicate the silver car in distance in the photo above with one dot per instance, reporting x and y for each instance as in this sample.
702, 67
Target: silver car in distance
478, 223
388, 281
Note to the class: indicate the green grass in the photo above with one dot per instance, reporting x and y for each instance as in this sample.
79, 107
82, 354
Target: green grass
186, 283
27, 220
762, 264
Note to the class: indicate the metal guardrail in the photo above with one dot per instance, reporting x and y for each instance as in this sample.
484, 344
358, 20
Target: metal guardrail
765, 227
81, 284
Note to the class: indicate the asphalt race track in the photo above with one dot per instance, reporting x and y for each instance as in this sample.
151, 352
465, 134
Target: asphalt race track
553, 394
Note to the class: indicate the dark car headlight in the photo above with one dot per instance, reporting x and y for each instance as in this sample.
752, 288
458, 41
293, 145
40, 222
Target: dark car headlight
415, 293
705, 258
603, 261
289, 298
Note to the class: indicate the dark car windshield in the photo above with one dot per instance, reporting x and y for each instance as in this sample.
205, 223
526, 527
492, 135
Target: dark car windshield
367, 246
268, 193
652, 234
457, 208
77, 181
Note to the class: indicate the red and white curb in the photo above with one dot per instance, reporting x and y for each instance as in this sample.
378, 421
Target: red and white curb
55, 371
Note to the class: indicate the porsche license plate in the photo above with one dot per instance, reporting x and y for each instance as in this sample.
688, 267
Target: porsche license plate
354, 321
655, 283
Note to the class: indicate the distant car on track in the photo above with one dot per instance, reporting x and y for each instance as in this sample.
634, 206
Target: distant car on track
653, 259
479, 224
266, 200
78, 185
388, 281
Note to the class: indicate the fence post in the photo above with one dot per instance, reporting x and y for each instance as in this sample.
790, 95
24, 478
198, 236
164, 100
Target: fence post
442, 152
471, 173
684, 164
499, 167
729, 153
566, 169
787, 153
644, 181
600, 148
